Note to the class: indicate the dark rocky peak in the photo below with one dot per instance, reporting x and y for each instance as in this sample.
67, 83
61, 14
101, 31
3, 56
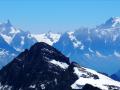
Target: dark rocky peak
33, 67
43, 50
33, 70
38, 54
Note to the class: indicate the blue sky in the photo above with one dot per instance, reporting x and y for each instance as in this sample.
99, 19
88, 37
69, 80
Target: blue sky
40, 16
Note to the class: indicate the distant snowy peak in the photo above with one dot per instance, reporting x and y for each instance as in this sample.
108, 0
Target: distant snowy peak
8, 31
16, 38
7, 24
8, 28
113, 22
48, 38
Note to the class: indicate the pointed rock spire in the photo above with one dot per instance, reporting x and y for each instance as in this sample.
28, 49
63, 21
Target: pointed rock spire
8, 23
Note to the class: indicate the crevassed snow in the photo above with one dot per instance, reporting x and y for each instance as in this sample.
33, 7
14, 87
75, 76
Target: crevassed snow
60, 64
48, 38
85, 76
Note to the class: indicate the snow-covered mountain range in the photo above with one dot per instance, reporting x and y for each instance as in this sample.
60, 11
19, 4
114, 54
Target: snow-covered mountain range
44, 67
16, 38
97, 48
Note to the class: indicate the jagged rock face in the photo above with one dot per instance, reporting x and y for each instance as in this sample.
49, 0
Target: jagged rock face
33, 69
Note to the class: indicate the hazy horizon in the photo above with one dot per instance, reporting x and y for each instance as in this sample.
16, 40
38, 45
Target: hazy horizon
57, 16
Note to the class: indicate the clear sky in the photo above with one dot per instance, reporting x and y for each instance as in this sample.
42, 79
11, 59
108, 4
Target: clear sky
40, 16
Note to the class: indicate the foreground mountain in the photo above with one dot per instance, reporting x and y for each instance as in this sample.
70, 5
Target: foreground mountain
43, 67
97, 48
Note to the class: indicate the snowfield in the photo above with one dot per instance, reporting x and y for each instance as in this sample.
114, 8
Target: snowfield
88, 76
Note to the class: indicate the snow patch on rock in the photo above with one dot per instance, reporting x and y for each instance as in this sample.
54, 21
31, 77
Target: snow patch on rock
60, 64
